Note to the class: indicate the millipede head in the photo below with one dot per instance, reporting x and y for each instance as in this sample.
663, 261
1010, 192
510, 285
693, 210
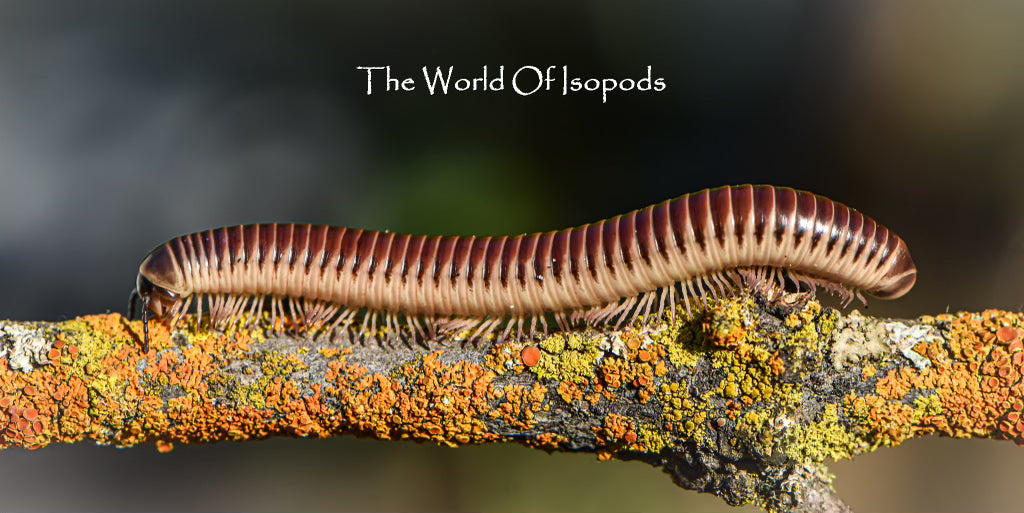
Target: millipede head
156, 299
159, 286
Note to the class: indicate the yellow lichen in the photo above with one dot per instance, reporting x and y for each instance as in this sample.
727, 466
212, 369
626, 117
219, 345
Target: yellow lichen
569, 358
824, 439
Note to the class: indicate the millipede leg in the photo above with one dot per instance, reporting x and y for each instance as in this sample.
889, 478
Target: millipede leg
490, 329
199, 311
181, 312
672, 302
296, 317
563, 322
508, 328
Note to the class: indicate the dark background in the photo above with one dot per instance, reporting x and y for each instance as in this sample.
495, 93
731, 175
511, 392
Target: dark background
125, 124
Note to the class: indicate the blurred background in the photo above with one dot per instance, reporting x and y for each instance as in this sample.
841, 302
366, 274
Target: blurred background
125, 124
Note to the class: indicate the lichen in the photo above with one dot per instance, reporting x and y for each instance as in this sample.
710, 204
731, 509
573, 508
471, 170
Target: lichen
825, 439
782, 384
25, 348
571, 357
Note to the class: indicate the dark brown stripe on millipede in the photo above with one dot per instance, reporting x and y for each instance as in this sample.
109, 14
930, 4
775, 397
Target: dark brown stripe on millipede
679, 219
364, 251
236, 245
477, 258
427, 257
202, 257
195, 257
210, 250
856, 223
764, 210
349, 242
282, 244
460, 255
493, 260
379, 254
443, 257
251, 243
508, 258
177, 246
317, 247
267, 239
627, 238
877, 242
577, 250
306, 249
410, 262
890, 249
806, 207
593, 246
720, 203
610, 242
838, 226
644, 234
785, 212
660, 229
542, 256
227, 250
165, 259
742, 209
333, 248
867, 235
823, 215
882, 237
699, 211
526, 252
214, 247
560, 256
299, 244
396, 253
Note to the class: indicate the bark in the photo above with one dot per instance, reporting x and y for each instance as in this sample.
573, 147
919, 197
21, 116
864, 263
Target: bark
747, 400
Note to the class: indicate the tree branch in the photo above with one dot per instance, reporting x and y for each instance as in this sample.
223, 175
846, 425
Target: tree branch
747, 401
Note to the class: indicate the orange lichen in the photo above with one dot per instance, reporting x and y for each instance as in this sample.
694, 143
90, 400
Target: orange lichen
611, 435
972, 386
530, 356
1007, 334
205, 386
570, 392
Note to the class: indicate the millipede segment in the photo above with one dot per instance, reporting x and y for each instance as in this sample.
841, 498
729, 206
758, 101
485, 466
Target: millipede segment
709, 243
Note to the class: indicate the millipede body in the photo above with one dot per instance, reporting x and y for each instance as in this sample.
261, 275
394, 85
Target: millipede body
710, 242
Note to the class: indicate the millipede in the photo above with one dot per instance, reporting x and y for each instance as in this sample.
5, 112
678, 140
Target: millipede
715, 242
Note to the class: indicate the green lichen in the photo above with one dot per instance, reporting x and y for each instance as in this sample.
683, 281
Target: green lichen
731, 318
824, 439
248, 395
681, 342
106, 389
927, 406
275, 364
683, 414
651, 439
811, 328
571, 357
